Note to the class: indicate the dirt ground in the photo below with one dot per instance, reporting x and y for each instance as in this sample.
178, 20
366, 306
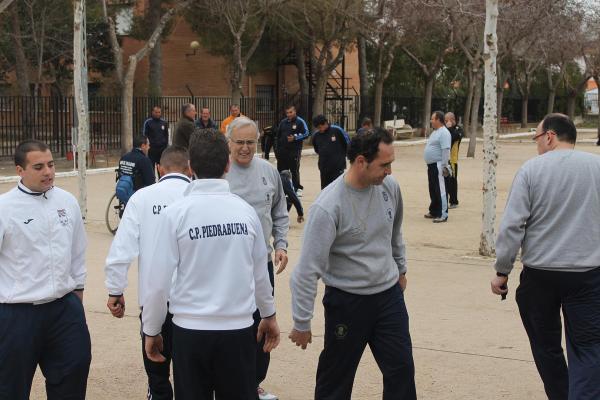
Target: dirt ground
467, 343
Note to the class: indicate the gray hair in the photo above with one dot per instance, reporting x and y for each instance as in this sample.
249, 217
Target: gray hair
450, 115
241, 122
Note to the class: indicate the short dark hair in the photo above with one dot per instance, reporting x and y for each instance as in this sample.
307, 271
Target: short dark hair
186, 107
290, 106
439, 115
209, 154
159, 107
366, 121
139, 140
174, 157
25, 147
319, 120
563, 126
367, 145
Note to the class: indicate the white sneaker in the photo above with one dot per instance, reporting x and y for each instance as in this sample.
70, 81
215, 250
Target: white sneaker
299, 192
264, 395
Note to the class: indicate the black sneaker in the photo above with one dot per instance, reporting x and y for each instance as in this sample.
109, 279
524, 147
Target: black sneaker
429, 216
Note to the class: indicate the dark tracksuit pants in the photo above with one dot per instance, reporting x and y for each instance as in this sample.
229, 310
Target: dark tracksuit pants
353, 321
55, 336
452, 185
262, 359
267, 144
159, 385
329, 175
541, 295
438, 206
219, 362
154, 154
290, 159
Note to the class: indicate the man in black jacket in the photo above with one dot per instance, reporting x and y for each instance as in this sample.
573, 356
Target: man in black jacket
137, 164
331, 143
156, 130
291, 133
205, 122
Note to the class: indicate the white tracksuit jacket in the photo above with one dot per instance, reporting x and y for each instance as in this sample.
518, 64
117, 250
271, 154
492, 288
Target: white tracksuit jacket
214, 240
137, 229
42, 245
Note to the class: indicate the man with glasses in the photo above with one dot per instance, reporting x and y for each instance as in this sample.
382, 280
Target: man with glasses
259, 183
552, 215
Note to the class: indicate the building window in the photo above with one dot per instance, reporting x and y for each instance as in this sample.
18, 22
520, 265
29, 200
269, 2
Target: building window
265, 98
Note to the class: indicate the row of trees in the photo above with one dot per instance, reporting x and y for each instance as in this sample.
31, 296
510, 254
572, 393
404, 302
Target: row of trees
421, 46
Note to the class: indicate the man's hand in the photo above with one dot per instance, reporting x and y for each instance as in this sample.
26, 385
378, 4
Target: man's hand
301, 339
281, 260
153, 345
290, 138
402, 282
268, 329
116, 305
499, 286
300, 219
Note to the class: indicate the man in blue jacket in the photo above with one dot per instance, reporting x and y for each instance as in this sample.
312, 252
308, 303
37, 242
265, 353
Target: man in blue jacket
156, 130
331, 143
291, 133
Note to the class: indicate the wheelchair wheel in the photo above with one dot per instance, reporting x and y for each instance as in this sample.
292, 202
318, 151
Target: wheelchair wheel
114, 211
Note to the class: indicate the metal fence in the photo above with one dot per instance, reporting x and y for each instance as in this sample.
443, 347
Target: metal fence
51, 118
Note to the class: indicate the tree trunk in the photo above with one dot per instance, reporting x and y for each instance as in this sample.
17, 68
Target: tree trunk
571, 101
22, 66
499, 103
487, 245
378, 102
363, 74
524, 110
551, 100
127, 107
81, 99
155, 58
474, 123
469, 100
429, 80
319, 94
155, 72
302, 80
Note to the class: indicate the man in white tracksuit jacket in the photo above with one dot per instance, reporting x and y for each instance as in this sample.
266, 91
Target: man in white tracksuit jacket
42, 275
214, 241
135, 238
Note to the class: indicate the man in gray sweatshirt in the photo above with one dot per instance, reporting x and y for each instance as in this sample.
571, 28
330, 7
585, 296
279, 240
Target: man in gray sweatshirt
259, 184
353, 242
552, 215
436, 155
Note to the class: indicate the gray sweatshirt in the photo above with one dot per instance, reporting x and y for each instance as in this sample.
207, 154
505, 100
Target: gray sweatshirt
553, 214
353, 241
260, 186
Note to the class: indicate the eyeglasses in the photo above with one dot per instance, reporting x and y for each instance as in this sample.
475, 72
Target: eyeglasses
535, 138
248, 143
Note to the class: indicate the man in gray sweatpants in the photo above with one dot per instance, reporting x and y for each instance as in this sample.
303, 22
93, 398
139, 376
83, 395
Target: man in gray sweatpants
353, 241
552, 215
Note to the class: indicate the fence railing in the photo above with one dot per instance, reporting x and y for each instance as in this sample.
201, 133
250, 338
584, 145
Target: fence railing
51, 119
